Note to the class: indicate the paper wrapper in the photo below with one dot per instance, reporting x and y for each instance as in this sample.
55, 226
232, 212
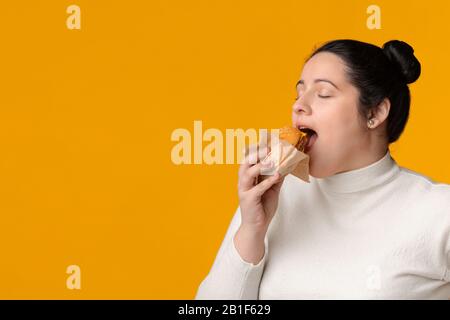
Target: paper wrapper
287, 160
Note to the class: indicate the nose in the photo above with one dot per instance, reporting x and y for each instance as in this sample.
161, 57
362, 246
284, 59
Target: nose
301, 105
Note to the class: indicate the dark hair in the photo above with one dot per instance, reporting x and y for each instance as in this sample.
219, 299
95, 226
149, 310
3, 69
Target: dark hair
379, 73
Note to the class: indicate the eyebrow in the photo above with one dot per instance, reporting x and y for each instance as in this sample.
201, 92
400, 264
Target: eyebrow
315, 81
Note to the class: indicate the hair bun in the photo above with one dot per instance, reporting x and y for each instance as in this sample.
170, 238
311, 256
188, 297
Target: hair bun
402, 54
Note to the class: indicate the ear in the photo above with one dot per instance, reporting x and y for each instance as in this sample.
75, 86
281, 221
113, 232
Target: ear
380, 113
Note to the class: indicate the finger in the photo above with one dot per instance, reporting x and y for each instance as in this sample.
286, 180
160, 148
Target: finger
263, 152
249, 179
246, 163
243, 168
277, 186
266, 184
253, 157
256, 153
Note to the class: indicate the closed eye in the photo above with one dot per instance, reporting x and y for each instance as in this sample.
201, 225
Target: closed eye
323, 97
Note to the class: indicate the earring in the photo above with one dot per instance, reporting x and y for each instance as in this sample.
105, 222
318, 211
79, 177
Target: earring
370, 123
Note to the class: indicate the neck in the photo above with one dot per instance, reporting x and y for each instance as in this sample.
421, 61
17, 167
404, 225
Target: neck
366, 157
373, 173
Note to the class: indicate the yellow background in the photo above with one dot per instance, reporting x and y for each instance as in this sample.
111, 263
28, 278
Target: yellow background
86, 117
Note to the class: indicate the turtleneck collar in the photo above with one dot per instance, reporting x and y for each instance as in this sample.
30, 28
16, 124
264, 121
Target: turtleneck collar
377, 173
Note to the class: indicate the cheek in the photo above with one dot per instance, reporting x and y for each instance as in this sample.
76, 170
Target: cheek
339, 123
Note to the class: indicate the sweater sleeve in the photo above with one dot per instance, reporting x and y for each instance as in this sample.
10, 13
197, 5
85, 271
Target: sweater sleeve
447, 271
447, 233
447, 274
231, 277
446, 237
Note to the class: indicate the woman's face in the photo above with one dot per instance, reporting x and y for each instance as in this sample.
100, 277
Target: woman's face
328, 103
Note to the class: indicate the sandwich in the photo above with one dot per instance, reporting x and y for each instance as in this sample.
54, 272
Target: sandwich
288, 159
295, 137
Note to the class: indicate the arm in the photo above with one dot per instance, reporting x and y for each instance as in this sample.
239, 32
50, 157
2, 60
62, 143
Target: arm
231, 277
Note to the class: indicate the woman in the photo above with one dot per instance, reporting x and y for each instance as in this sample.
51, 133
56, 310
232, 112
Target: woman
364, 227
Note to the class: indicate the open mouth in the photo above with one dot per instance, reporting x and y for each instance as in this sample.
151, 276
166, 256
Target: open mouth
312, 137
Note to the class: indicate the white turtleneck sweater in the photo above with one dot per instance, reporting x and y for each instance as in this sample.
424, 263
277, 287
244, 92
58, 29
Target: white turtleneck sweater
378, 232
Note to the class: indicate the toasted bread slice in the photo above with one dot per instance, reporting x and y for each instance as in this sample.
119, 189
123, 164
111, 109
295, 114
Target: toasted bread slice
294, 136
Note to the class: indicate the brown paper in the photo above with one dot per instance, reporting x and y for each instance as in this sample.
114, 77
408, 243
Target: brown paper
286, 158
289, 160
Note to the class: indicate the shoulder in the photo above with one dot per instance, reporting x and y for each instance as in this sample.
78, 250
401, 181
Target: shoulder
430, 200
431, 192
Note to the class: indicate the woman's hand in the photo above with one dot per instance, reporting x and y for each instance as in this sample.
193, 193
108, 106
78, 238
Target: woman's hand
258, 201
